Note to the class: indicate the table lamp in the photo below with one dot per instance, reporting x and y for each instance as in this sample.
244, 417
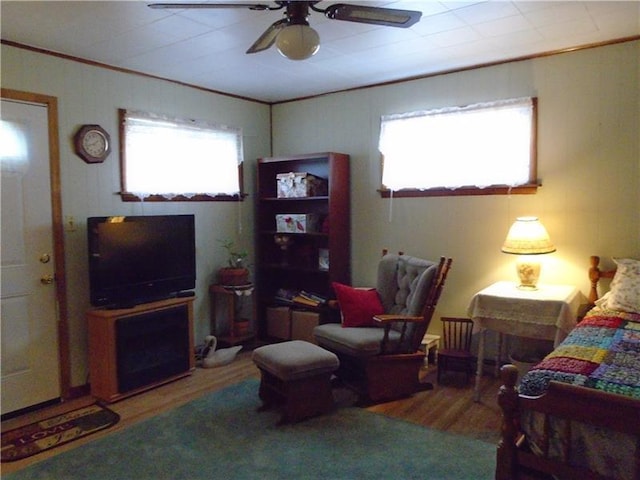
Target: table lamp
527, 238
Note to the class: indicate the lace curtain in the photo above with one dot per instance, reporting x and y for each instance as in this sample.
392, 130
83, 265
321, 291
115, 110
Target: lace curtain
477, 145
171, 156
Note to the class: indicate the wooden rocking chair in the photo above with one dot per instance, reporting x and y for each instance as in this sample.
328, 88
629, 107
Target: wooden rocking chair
382, 361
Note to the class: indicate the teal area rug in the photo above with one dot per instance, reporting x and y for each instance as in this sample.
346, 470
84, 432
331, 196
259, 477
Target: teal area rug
222, 436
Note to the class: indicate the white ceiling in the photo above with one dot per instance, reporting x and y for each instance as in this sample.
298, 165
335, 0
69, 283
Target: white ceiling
207, 47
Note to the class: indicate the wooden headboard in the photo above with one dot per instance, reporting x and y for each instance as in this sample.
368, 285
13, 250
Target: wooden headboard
595, 274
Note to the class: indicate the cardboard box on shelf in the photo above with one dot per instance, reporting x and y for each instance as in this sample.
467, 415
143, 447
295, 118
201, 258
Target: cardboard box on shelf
279, 322
302, 324
299, 185
296, 222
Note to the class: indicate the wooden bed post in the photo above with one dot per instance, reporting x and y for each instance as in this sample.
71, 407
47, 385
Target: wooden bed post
506, 460
594, 276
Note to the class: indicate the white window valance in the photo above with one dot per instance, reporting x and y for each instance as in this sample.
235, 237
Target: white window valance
171, 156
476, 145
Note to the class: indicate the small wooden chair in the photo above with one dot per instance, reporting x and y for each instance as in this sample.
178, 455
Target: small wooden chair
456, 354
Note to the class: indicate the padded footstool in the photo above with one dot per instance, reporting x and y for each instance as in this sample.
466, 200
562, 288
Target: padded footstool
297, 375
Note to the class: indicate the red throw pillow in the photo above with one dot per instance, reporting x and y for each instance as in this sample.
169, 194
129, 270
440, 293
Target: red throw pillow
358, 306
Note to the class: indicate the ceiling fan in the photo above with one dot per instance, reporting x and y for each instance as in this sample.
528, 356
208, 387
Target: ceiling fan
293, 36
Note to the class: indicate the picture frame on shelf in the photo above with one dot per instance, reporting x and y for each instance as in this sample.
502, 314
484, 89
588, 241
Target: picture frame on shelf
323, 258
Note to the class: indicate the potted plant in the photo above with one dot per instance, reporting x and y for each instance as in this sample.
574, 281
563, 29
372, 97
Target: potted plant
235, 273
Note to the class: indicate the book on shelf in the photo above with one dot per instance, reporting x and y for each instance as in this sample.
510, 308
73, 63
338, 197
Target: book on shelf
304, 301
285, 296
302, 298
313, 296
309, 299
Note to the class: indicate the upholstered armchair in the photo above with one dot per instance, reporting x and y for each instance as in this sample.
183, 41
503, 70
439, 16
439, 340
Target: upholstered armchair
378, 339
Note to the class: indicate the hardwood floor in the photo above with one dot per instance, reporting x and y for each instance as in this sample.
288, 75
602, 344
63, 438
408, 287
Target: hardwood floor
449, 408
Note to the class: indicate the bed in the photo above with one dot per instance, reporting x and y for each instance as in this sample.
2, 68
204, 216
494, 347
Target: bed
576, 414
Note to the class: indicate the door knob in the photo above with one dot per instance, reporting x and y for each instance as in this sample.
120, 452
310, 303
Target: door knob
46, 279
45, 258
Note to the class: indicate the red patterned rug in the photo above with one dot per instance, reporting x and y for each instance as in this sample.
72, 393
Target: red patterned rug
37, 437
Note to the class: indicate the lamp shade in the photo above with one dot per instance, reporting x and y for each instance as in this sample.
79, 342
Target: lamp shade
527, 236
298, 42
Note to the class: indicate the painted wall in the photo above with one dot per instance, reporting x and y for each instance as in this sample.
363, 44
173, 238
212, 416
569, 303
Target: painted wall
88, 94
588, 163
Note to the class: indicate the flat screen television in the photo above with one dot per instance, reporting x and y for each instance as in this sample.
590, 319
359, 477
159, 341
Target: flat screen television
139, 259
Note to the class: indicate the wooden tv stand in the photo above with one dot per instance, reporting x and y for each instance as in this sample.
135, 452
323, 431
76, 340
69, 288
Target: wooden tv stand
103, 327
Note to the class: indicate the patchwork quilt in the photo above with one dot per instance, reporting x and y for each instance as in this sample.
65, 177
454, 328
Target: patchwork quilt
601, 352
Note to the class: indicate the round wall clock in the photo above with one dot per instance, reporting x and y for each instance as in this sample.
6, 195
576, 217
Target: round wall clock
92, 143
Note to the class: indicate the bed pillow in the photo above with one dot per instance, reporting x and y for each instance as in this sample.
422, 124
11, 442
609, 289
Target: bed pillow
357, 305
603, 300
624, 293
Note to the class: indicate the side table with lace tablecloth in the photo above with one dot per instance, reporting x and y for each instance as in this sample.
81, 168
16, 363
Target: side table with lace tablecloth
548, 313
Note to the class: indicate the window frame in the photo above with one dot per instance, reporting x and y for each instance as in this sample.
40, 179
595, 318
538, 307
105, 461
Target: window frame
128, 196
528, 188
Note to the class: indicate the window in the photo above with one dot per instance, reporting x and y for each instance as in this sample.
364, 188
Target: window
13, 147
478, 149
166, 158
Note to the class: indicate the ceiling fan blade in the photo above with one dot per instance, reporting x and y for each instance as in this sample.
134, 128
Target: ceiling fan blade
389, 17
268, 38
250, 6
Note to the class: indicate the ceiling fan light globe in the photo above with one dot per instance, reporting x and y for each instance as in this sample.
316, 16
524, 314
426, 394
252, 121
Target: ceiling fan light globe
298, 42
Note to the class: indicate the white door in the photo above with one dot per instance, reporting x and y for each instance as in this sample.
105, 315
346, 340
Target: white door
29, 323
